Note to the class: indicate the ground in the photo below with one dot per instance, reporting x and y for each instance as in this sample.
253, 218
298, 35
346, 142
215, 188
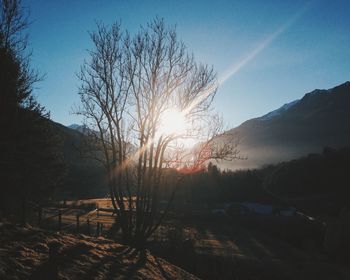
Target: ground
224, 249
210, 247
32, 253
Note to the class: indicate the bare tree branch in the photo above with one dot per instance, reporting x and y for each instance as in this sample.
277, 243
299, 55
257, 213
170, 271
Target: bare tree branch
127, 85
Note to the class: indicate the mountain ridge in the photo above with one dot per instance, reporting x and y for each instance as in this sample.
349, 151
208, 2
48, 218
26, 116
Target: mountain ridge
85, 177
320, 118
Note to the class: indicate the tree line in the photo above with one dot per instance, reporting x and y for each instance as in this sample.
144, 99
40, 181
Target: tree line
30, 160
316, 184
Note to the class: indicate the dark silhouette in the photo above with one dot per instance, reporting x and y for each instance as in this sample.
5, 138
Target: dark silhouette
30, 162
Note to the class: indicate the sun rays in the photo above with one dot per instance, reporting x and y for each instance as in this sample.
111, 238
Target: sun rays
236, 67
174, 122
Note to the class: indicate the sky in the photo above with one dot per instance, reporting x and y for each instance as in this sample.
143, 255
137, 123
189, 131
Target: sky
266, 53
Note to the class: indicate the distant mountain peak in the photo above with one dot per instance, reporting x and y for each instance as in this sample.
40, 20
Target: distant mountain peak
78, 127
321, 118
318, 91
74, 126
341, 88
279, 111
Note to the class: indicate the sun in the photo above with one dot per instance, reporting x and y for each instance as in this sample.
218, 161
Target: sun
172, 121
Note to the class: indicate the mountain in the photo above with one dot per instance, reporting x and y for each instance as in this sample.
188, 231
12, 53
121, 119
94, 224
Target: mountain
279, 111
78, 127
321, 118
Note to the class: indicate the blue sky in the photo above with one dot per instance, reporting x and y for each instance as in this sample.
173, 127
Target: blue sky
266, 53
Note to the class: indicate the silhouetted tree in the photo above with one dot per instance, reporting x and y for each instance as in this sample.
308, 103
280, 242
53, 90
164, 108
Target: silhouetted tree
315, 179
30, 162
128, 85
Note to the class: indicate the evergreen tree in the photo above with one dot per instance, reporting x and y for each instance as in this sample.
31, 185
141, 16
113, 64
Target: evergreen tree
30, 164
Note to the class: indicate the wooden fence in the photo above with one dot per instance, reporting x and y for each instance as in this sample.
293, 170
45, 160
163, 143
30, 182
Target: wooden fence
76, 220
95, 222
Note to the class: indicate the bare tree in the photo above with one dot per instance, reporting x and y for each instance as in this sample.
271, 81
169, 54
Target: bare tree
127, 87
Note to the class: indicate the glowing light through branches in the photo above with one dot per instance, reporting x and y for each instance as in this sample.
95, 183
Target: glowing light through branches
172, 122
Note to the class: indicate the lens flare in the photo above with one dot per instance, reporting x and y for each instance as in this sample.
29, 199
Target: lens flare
172, 121
233, 69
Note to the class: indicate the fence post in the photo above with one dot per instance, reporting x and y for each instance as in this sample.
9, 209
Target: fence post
88, 226
101, 227
59, 219
40, 212
98, 229
78, 222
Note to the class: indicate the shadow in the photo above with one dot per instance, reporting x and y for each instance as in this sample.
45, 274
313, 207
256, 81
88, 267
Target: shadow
76, 250
112, 263
121, 264
48, 270
231, 238
161, 269
141, 261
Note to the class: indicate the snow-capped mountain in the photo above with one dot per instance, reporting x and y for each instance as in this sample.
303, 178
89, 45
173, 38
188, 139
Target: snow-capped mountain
279, 111
320, 118
81, 128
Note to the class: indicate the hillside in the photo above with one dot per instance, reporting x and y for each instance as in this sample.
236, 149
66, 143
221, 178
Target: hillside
31, 253
85, 177
321, 118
